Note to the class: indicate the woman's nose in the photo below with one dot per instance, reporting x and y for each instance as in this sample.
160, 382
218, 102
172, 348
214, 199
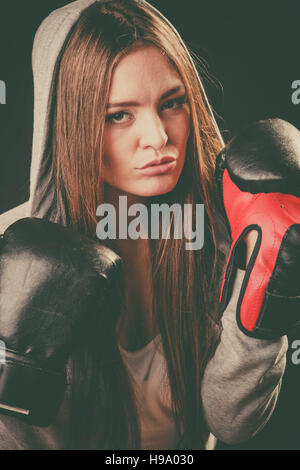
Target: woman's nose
153, 133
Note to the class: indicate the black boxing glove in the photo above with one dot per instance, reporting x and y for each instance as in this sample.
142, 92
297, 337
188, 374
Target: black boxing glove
258, 174
53, 283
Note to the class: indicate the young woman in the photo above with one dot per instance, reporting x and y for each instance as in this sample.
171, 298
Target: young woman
116, 90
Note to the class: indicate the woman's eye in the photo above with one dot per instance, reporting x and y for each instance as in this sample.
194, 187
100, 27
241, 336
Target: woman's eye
122, 117
116, 118
174, 103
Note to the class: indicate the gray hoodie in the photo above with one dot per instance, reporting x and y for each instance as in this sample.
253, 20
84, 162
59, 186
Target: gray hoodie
242, 380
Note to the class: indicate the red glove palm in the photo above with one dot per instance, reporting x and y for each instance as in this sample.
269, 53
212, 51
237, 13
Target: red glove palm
259, 177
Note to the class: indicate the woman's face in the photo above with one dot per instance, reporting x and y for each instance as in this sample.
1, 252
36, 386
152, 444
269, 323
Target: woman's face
147, 123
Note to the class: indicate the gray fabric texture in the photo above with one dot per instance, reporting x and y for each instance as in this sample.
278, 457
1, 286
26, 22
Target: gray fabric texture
242, 381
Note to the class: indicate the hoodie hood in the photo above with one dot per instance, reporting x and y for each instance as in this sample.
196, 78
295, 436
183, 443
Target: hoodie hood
47, 46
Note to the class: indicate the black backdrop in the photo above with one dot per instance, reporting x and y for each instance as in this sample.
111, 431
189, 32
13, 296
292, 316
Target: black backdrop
250, 55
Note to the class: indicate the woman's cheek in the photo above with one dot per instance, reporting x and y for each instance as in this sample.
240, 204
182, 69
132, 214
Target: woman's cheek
180, 129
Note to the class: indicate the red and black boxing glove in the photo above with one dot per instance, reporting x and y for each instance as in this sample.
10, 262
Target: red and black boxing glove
258, 175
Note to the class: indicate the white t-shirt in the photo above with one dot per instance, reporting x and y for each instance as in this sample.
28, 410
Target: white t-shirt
148, 371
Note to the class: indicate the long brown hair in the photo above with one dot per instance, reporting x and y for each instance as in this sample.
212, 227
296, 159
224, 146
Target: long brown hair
184, 282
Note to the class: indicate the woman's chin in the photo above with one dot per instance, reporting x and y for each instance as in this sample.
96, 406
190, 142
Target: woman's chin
156, 188
145, 189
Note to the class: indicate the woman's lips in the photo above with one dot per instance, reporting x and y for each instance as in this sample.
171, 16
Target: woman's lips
158, 169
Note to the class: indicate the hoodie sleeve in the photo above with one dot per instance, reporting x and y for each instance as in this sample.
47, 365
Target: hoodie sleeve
11, 216
241, 382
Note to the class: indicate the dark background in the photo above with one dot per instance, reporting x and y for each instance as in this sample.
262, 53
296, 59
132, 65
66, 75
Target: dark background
250, 57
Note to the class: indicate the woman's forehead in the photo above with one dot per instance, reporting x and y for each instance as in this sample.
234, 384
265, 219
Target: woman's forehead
145, 72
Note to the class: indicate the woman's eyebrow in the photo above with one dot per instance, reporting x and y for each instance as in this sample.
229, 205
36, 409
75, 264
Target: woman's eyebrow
135, 103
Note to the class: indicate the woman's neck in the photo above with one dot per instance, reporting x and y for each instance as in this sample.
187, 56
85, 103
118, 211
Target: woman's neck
130, 250
135, 326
